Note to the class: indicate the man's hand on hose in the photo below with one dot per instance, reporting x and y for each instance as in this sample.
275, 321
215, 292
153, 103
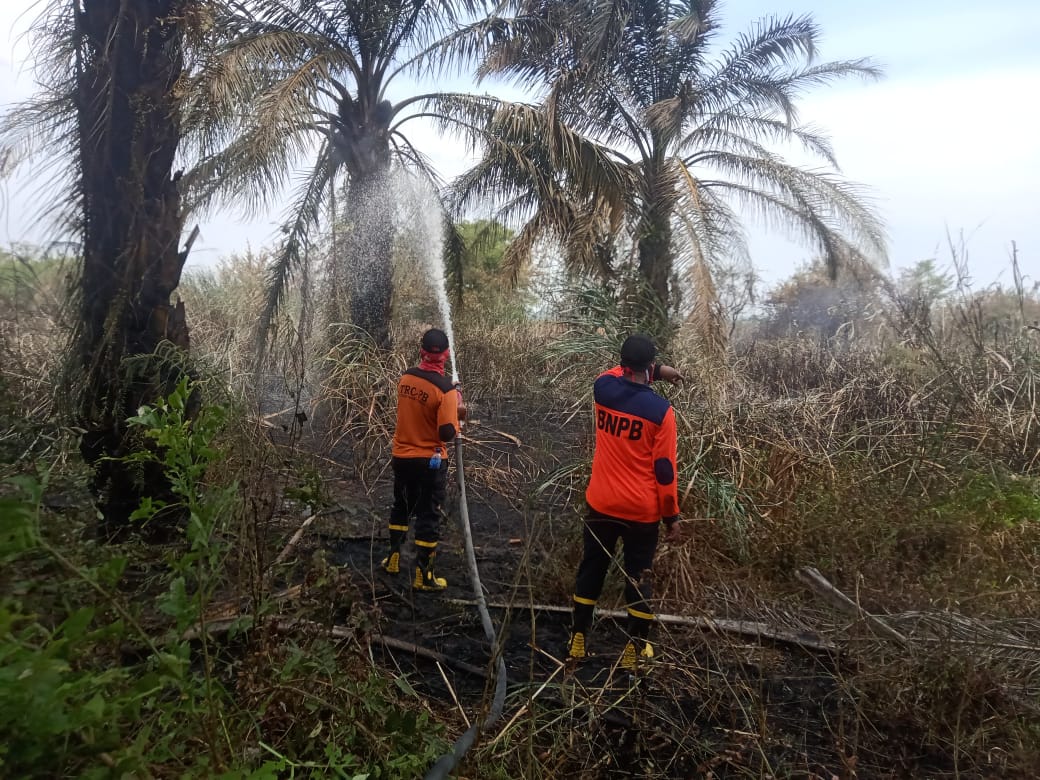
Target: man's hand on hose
673, 531
671, 374
461, 403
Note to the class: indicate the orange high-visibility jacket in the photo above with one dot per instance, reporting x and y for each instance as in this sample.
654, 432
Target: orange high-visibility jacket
633, 468
427, 414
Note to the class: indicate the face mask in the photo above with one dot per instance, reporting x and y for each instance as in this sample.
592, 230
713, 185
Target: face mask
432, 361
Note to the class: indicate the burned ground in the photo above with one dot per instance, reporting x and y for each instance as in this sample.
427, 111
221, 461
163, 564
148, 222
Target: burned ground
710, 704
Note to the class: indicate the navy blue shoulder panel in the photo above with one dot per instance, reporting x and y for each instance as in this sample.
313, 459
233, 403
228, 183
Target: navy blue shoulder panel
437, 380
619, 394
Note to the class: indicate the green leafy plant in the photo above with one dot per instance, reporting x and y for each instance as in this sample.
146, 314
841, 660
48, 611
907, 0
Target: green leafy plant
184, 446
992, 500
66, 709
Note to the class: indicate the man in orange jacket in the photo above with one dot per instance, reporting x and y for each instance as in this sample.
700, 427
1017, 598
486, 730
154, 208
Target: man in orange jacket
429, 407
633, 489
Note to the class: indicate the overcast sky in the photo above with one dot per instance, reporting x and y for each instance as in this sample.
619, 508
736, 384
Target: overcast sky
948, 140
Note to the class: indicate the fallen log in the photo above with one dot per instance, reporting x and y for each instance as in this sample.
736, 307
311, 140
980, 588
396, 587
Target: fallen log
818, 583
424, 652
822, 587
748, 628
287, 625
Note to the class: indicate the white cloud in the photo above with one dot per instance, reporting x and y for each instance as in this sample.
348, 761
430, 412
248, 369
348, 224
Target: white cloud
946, 141
957, 152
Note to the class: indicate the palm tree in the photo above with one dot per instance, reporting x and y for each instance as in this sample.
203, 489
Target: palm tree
645, 130
110, 103
306, 85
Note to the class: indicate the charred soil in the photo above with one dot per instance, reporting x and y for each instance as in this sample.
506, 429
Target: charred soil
708, 705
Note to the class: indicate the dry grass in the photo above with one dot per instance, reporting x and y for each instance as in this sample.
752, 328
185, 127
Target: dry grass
32, 343
902, 464
31, 338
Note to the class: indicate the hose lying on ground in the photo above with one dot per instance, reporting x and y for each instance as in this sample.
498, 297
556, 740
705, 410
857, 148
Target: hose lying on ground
446, 763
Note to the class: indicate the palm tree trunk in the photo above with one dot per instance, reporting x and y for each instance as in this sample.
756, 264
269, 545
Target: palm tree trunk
365, 270
370, 254
129, 58
655, 250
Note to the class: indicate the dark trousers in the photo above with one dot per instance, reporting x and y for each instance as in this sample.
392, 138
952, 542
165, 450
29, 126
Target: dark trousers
639, 544
418, 492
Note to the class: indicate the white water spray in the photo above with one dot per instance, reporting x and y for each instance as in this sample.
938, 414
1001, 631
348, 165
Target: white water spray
420, 209
419, 212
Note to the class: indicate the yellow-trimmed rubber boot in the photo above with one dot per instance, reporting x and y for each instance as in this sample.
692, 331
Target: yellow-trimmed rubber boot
425, 579
392, 563
630, 656
576, 647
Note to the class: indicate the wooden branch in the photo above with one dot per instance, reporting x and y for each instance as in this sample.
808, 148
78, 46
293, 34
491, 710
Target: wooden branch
190, 242
232, 608
503, 434
822, 587
527, 705
299, 532
454, 696
819, 584
433, 655
284, 624
747, 628
293, 541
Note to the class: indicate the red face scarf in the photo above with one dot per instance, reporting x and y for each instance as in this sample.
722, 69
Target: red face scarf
433, 361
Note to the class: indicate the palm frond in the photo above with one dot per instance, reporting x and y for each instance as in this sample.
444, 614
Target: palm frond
691, 22
774, 91
464, 45
455, 254
835, 201
713, 231
413, 159
749, 134
251, 172
706, 311
518, 254
806, 217
39, 138
291, 255
771, 43
39, 141
524, 145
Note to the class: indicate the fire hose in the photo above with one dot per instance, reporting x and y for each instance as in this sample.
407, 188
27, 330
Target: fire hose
447, 762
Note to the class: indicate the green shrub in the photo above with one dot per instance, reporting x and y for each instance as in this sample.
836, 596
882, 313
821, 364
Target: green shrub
992, 501
88, 691
65, 710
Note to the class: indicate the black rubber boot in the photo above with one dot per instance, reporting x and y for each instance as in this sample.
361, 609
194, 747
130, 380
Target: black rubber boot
425, 579
392, 562
581, 622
